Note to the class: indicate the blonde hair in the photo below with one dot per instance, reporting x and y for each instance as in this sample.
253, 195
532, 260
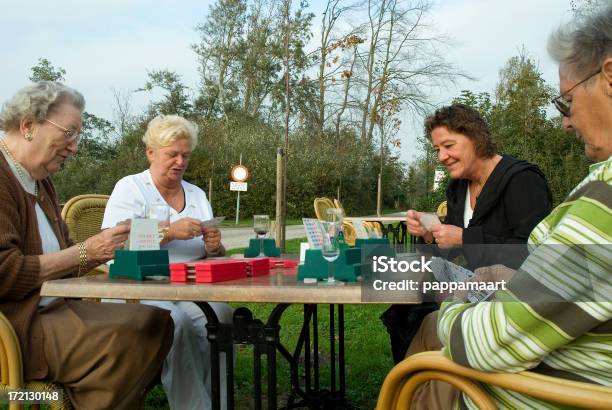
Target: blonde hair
165, 130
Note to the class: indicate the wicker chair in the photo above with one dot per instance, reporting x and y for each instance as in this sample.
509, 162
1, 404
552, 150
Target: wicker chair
321, 205
402, 381
11, 368
349, 233
83, 215
442, 211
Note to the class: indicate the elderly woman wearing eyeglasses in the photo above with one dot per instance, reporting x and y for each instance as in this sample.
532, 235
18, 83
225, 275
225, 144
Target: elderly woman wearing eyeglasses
65, 341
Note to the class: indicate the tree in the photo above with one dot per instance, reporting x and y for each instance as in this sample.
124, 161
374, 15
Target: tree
219, 49
293, 53
123, 119
176, 98
420, 179
328, 44
258, 60
402, 54
349, 43
481, 102
87, 171
45, 71
260, 90
520, 125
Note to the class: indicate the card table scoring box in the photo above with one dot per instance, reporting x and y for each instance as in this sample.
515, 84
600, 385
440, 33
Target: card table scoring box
282, 263
258, 266
137, 265
208, 271
346, 267
269, 248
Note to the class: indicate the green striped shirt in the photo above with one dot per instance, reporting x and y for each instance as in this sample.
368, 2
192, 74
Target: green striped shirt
518, 330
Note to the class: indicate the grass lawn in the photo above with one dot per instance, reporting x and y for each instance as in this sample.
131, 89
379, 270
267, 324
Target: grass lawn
368, 353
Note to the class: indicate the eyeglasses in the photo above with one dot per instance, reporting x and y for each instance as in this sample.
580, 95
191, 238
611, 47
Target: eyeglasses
70, 134
562, 104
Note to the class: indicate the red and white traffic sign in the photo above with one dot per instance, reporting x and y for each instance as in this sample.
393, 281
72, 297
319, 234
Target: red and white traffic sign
239, 173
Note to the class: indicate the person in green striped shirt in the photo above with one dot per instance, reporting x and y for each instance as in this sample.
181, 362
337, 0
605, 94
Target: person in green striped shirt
547, 320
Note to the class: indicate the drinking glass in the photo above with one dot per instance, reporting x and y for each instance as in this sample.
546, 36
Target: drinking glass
161, 213
261, 226
330, 249
335, 215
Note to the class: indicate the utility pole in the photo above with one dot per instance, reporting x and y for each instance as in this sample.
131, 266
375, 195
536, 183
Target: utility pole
281, 155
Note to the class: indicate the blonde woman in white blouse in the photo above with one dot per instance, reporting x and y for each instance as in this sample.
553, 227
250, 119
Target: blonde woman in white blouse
169, 141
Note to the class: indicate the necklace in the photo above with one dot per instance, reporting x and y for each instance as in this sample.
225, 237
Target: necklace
18, 167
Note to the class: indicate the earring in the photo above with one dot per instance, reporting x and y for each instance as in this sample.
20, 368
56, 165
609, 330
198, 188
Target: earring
28, 136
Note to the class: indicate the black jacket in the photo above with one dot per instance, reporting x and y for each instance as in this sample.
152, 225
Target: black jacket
512, 202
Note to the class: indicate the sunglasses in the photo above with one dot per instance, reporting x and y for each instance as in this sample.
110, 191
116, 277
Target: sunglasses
562, 104
70, 134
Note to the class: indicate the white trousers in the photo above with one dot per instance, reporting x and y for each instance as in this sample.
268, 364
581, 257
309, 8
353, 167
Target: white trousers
186, 373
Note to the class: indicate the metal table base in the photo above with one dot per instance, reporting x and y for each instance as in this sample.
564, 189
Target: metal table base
265, 338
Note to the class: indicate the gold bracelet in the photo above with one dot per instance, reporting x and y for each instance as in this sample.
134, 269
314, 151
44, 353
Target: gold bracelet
82, 258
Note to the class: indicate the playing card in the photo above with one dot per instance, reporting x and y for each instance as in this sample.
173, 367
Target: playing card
429, 219
212, 222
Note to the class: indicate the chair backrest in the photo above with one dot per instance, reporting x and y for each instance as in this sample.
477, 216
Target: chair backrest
349, 233
11, 367
401, 383
321, 205
374, 226
83, 215
442, 211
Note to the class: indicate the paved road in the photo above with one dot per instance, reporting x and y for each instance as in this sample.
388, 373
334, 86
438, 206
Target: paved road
239, 237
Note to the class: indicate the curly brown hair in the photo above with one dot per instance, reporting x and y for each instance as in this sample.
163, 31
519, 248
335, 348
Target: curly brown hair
464, 120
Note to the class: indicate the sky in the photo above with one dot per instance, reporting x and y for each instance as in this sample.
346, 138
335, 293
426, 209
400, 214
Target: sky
107, 45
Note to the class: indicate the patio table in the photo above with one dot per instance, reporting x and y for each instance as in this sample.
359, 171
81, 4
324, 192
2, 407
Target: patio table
280, 287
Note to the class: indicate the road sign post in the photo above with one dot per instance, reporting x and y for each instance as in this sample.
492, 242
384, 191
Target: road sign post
239, 174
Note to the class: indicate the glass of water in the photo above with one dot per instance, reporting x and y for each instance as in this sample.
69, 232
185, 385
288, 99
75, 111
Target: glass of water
261, 226
330, 230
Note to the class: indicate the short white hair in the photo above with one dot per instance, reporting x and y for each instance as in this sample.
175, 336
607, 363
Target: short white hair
581, 46
37, 101
165, 130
